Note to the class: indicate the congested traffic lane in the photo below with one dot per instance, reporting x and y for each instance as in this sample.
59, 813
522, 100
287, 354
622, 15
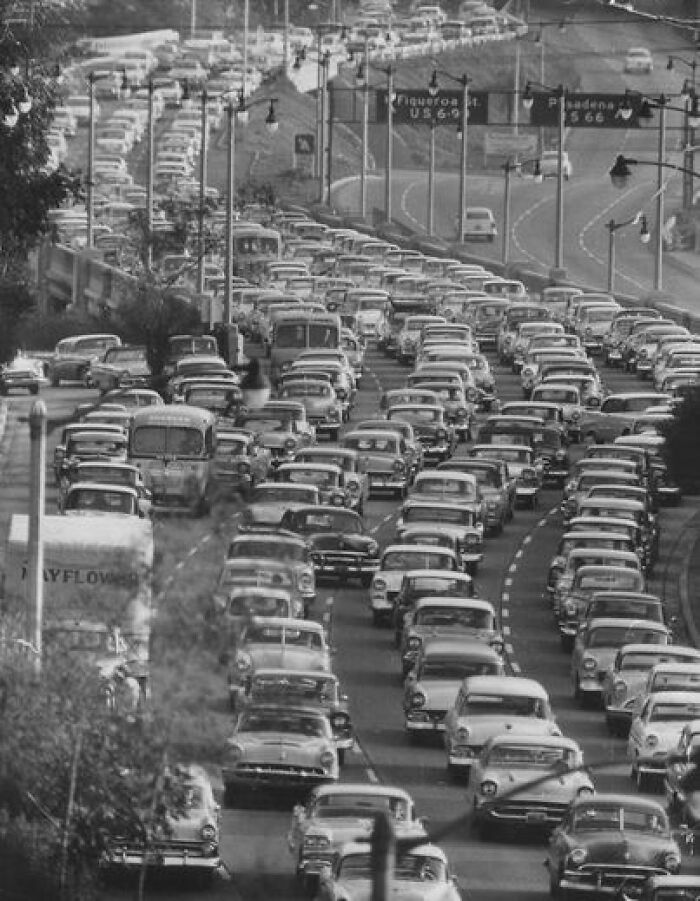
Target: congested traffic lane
253, 838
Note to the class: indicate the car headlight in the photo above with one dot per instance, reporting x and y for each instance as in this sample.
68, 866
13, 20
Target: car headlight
337, 499
353, 486
498, 645
372, 548
589, 664
243, 663
652, 740
462, 735
234, 752
243, 467
414, 642
461, 413
208, 832
316, 842
327, 759
672, 861
578, 856
379, 585
585, 792
441, 433
418, 699
488, 787
575, 414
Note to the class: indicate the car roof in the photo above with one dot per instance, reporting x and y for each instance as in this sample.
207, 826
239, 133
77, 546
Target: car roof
353, 788
618, 798
433, 573
636, 647
516, 685
474, 603
626, 622
671, 697
520, 738
287, 623
423, 548
283, 673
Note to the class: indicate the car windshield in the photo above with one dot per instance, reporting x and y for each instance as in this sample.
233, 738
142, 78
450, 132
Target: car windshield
267, 424
306, 389
280, 492
674, 713
324, 478
258, 605
329, 522
508, 454
595, 817
230, 447
359, 805
531, 756
616, 636
466, 490
603, 581
115, 475
291, 688
380, 444
503, 705
398, 560
415, 414
444, 587
283, 721
90, 447
99, 500
455, 617
272, 548
638, 661
298, 638
178, 441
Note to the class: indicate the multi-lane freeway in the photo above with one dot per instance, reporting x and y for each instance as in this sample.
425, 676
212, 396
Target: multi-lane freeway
512, 575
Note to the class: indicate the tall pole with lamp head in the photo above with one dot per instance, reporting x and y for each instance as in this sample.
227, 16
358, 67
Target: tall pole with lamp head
150, 149
362, 79
561, 113
203, 149
246, 28
389, 161
660, 189
230, 195
433, 89
90, 192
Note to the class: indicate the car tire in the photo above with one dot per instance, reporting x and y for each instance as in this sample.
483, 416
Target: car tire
555, 889
55, 380
376, 618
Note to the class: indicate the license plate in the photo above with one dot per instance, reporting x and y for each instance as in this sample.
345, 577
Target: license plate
536, 816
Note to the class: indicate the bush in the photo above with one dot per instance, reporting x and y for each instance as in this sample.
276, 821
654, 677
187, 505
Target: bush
680, 452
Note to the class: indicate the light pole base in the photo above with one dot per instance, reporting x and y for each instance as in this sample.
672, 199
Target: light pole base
557, 275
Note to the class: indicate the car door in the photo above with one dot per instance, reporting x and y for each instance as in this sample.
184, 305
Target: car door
639, 726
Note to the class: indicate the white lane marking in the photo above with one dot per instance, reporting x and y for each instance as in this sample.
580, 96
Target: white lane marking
505, 597
512, 568
505, 613
192, 551
518, 554
372, 775
508, 582
205, 538
516, 668
179, 564
506, 630
527, 539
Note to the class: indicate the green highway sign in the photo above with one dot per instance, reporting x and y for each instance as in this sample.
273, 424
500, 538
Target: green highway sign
583, 110
416, 106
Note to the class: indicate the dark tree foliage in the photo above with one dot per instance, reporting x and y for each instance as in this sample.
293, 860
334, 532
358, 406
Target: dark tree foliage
152, 316
124, 787
682, 442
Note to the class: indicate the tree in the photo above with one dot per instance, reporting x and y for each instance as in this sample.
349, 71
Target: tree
74, 776
682, 435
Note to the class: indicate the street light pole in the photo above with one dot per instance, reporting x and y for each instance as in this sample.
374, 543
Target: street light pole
149, 176
611, 256
659, 246
505, 241
431, 181
324, 62
389, 162
246, 27
463, 158
365, 132
230, 193
90, 192
561, 111
285, 38
201, 268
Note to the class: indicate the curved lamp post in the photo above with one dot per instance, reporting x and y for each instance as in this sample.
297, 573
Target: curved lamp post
620, 172
689, 95
528, 99
238, 112
509, 166
433, 88
613, 227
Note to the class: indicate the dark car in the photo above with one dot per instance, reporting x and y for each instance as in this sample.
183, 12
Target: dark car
496, 489
340, 546
610, 840
549, 442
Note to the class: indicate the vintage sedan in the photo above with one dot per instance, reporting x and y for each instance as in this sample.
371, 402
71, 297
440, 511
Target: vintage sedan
421, 874
276, 575
72, 356
608, 842
459, 409
571, 601
521, 465
562, 566
683, 803
189, 846
323, 409
354, 477
431, 427
626, 680
336, 814
412, 449
277, 433
240, 461
503, 796
236, 607
383, 455
339, 545
279, 746
327, 477
444, 618
420, 583
106, 473
489, 705
120, 367
462, 520
656, 731
278, 548
496, 489
616, 415
269, 501
596, 646
395, 561
297, 688
21, 374
274, 642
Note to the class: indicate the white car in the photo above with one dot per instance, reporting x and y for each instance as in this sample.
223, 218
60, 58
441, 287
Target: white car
639, 59
657, 730
549, 164
479, 224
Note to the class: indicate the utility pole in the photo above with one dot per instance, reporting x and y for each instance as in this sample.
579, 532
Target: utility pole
35, 541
